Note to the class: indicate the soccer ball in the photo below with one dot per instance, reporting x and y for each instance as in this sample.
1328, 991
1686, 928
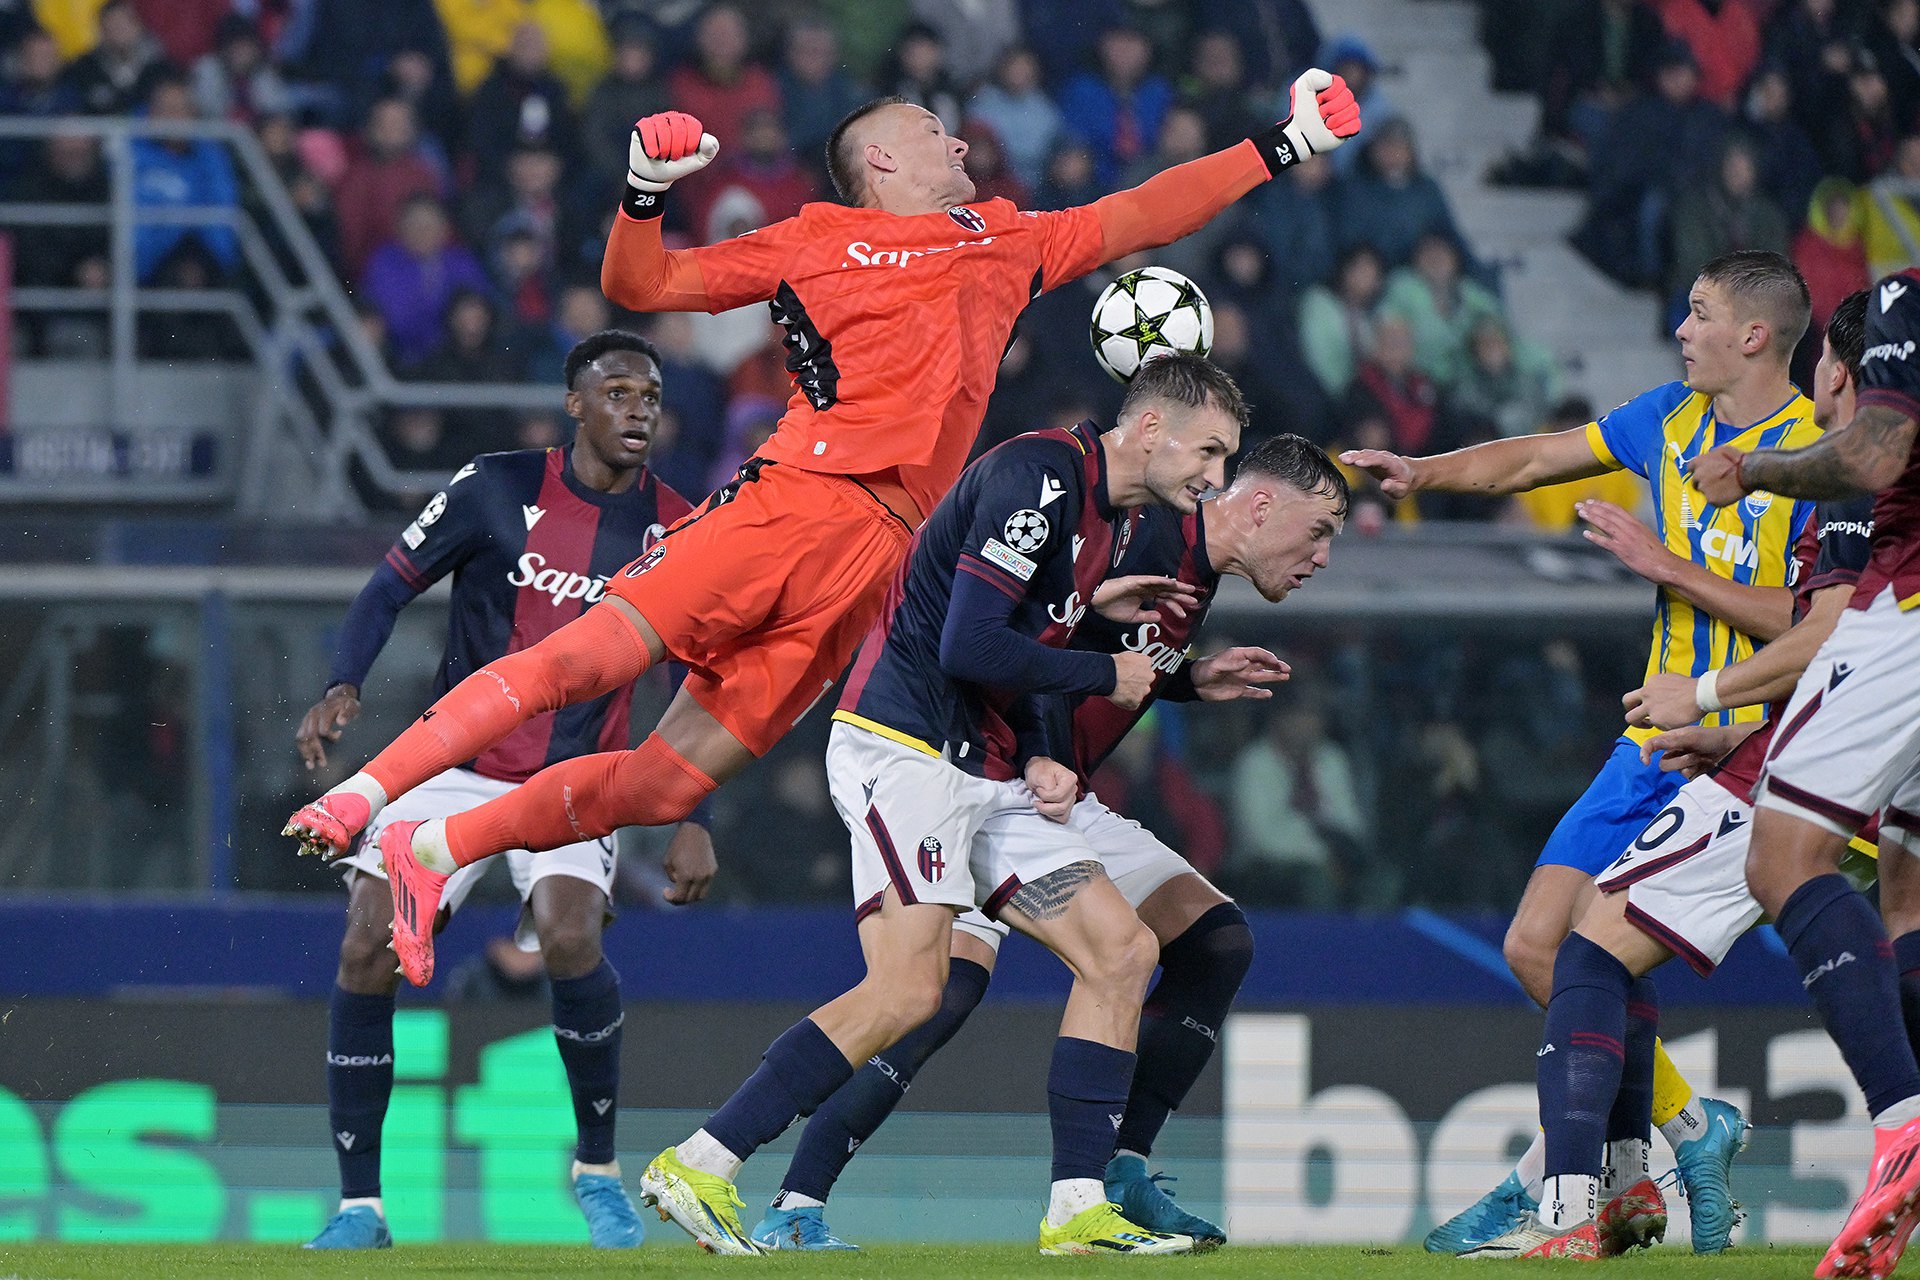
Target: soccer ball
1147, 313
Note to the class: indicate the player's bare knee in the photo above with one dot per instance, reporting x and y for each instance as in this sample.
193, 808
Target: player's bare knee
573, 950
1122, 964
366, 966
909, 1000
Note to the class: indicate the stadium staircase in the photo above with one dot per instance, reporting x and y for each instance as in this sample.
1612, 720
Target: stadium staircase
1435, 73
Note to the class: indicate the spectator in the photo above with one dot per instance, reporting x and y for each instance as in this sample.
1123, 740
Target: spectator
1810, 42
1390, 202
529, 201
1554, 507
581, 310
987, 166
721, 86
795, 802
234, 81
414, 77
749, 423
345, 45
1217, 88
1388, 384
630, 89
1295, 214
186, 30
1893, 213
35, 89
1351, 58
1510, 386
1656, 148
1602, 54
867, 30
1064, 34
1789, 163
520, 103
68, 170
413, 277
1146, 780
386, 168
519, 271
472, 352
1893, 36
698, 398
1278, 39
1831, 250
180, 173
502, 971
118, 73
1270, 373
417, 442
1725, 38
1019, 111
764, 167
973, 33
918, 73
818, 94
1858, 141
1118, 110
1337, 324
1296, 810
482, 32
311, 193
1720, 216
1440, 305
1070, 176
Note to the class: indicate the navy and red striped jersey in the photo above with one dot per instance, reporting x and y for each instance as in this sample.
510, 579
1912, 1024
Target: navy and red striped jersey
1031, 519
1832, 551
1890, 377
1165, 544
529, 548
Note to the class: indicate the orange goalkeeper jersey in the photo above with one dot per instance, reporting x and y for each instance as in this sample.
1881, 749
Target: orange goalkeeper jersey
895, 325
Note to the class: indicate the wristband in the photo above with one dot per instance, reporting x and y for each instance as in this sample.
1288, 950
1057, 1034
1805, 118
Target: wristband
1277, 149
643, 205
1706, 694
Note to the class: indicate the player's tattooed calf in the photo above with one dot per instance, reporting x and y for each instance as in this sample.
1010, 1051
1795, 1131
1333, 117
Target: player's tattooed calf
1047, 898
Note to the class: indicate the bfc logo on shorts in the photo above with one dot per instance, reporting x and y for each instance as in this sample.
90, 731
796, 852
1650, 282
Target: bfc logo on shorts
646, 561
933, 862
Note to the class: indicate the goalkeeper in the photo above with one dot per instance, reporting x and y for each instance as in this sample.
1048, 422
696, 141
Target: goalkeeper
896, 307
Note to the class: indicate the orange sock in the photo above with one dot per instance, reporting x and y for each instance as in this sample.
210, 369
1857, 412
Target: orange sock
582, 799
598, 651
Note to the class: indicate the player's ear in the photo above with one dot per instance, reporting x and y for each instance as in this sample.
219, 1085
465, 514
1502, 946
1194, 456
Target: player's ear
574, 410
879, 157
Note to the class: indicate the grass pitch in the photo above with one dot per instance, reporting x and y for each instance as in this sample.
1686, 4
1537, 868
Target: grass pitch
668, 1256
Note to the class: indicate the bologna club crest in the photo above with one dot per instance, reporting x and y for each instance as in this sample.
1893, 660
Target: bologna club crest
933, 863
646, 561
968, 219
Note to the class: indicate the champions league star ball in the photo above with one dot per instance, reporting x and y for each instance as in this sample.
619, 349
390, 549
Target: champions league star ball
1147, 313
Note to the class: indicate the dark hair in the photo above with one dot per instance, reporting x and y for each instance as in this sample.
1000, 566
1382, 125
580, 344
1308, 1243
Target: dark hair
1847, 331
1769, 283
843, 167
593, 346
1190, 380
1299, 463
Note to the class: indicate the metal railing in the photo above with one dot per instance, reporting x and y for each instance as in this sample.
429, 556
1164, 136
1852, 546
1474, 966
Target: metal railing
323, 385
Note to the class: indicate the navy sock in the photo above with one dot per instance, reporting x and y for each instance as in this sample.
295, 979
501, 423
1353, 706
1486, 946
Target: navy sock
587, 1021
798, 1072
1906, 955
1200, 973
1846, 965
1632, 1115
859, 1107
359, 1083
1579, 1064
1086, 1096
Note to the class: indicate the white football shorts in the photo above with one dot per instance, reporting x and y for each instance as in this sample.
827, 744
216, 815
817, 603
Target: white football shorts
1685, 876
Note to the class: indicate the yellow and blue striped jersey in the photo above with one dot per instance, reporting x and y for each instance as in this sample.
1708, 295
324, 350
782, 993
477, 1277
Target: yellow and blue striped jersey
1655, 435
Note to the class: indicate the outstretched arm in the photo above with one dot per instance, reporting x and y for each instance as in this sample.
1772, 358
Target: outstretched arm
1865, 456
1495, 468
1761, 612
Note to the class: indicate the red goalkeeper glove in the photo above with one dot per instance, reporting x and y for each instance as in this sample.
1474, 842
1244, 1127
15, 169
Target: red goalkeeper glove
1323, 114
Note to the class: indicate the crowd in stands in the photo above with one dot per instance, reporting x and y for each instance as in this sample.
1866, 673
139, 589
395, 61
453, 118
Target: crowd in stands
459, 161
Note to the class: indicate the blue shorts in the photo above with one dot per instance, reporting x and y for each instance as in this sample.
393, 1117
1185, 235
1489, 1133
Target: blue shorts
1616, 807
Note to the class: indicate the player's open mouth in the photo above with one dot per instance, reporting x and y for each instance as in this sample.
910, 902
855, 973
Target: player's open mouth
635, 439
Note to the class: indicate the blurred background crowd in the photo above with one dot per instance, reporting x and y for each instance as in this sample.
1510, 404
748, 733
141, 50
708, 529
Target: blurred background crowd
459, 161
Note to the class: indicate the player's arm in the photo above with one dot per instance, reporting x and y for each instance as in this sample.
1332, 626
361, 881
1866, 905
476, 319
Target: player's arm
1692, 749
1179, 201
1761, 612
1865, 456
439, 540
639, 272
1669, 701
1495, 468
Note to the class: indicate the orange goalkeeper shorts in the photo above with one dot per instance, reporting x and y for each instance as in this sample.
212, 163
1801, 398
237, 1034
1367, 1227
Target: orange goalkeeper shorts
765, 591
